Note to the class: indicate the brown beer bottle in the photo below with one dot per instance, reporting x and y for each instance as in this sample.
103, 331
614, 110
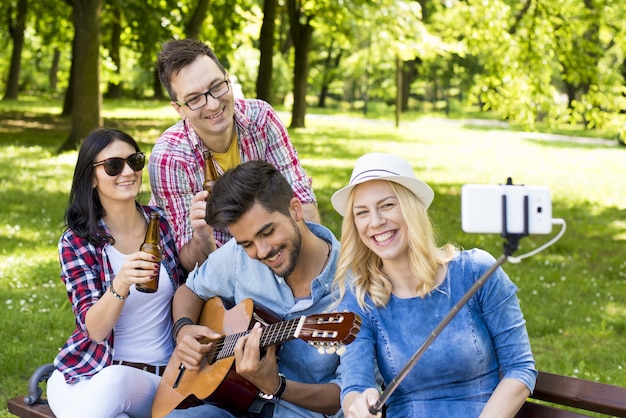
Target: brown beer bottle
152, 245
210, 173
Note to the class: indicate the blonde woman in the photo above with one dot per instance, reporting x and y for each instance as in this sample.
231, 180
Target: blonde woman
392, 273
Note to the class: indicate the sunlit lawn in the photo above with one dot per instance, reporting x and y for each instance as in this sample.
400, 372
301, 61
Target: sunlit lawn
573, 294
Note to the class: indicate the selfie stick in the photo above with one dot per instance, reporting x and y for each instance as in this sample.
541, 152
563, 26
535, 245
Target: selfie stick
509, 248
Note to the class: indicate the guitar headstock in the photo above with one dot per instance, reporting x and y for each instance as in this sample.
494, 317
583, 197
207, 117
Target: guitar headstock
329, 332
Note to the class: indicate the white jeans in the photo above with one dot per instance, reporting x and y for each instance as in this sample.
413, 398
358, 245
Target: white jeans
115, 392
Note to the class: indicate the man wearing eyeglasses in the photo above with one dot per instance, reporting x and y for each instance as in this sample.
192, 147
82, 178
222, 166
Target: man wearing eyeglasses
215, 128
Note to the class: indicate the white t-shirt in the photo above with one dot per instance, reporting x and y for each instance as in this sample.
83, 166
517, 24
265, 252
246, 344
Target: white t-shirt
143, 333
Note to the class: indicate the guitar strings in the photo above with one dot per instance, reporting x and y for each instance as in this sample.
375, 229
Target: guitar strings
274, 333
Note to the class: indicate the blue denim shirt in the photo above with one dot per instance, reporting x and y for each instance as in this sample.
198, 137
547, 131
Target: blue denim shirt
231, 274
484, 342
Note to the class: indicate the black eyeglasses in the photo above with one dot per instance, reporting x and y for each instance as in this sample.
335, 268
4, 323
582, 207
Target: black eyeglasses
115, 165
200, 100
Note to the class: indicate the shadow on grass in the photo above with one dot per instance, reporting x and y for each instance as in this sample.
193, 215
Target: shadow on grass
30, 129
49, 130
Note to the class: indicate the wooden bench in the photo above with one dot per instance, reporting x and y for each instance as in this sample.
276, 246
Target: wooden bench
559, 391
582, 395
33, 405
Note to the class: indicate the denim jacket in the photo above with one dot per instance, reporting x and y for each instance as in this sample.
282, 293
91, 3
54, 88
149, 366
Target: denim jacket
484, 342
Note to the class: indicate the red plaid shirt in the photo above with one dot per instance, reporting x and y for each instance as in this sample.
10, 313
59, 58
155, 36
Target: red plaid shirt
87, 274
176, 165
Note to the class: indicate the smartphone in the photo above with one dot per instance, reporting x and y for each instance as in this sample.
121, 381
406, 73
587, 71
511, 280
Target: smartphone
482, 209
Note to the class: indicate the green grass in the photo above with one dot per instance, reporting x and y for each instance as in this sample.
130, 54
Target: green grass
573, 294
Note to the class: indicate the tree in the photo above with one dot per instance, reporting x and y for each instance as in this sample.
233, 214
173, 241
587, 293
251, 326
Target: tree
114, 42
534, 51
301, 14
590, 50
266, 48
16, 30
193, 28
53, 29
150, 23
85, 73
54, 68
301, 32
329, 71
369, 39
518, 58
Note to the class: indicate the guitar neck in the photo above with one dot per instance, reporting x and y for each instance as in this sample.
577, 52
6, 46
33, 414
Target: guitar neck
272, 334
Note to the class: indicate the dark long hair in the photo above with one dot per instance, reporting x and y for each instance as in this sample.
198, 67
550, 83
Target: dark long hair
241, 187
84, 208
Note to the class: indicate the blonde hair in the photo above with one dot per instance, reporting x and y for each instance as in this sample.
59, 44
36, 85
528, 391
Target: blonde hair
365, 266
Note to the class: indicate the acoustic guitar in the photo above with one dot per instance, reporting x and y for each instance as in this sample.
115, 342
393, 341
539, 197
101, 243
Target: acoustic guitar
217, 381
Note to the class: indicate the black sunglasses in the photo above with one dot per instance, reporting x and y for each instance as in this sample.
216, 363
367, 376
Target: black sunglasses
115, 165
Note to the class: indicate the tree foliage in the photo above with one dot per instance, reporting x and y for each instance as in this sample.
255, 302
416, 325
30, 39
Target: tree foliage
546, 60
528, 61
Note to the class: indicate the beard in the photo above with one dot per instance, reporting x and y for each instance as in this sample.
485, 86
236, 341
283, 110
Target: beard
293, 249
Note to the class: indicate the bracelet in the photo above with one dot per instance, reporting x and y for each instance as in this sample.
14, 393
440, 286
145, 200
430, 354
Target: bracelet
117, 295
279, 392
179, 324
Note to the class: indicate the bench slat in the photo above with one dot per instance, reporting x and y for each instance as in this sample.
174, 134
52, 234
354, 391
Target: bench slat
39, 410
535, 410
583, 394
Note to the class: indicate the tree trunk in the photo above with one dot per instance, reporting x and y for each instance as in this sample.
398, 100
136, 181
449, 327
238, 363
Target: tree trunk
159, 93
266, 47
321, 102
409, 72
285, 38
302, 31
54, 69
115, 89
328, 76
68, 100
623, 73
16, 29
194, 25
399, 89
86, 98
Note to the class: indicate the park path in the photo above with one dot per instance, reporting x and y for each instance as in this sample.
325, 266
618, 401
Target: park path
535, 136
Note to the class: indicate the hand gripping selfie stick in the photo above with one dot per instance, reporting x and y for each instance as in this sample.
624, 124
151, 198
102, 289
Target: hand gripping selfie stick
510, 246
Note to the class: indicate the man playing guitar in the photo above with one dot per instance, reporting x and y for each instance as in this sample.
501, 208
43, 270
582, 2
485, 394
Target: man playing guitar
280, 262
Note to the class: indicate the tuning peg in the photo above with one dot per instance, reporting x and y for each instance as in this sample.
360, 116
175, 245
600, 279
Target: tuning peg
330, 349
341, 350
320, 349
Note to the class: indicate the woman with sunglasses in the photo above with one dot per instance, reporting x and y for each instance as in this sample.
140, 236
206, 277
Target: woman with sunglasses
111, 365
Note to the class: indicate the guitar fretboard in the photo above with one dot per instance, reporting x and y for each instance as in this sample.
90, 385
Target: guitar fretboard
272, 334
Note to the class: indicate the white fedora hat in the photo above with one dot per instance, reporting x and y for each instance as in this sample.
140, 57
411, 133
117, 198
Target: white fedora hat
380, 166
